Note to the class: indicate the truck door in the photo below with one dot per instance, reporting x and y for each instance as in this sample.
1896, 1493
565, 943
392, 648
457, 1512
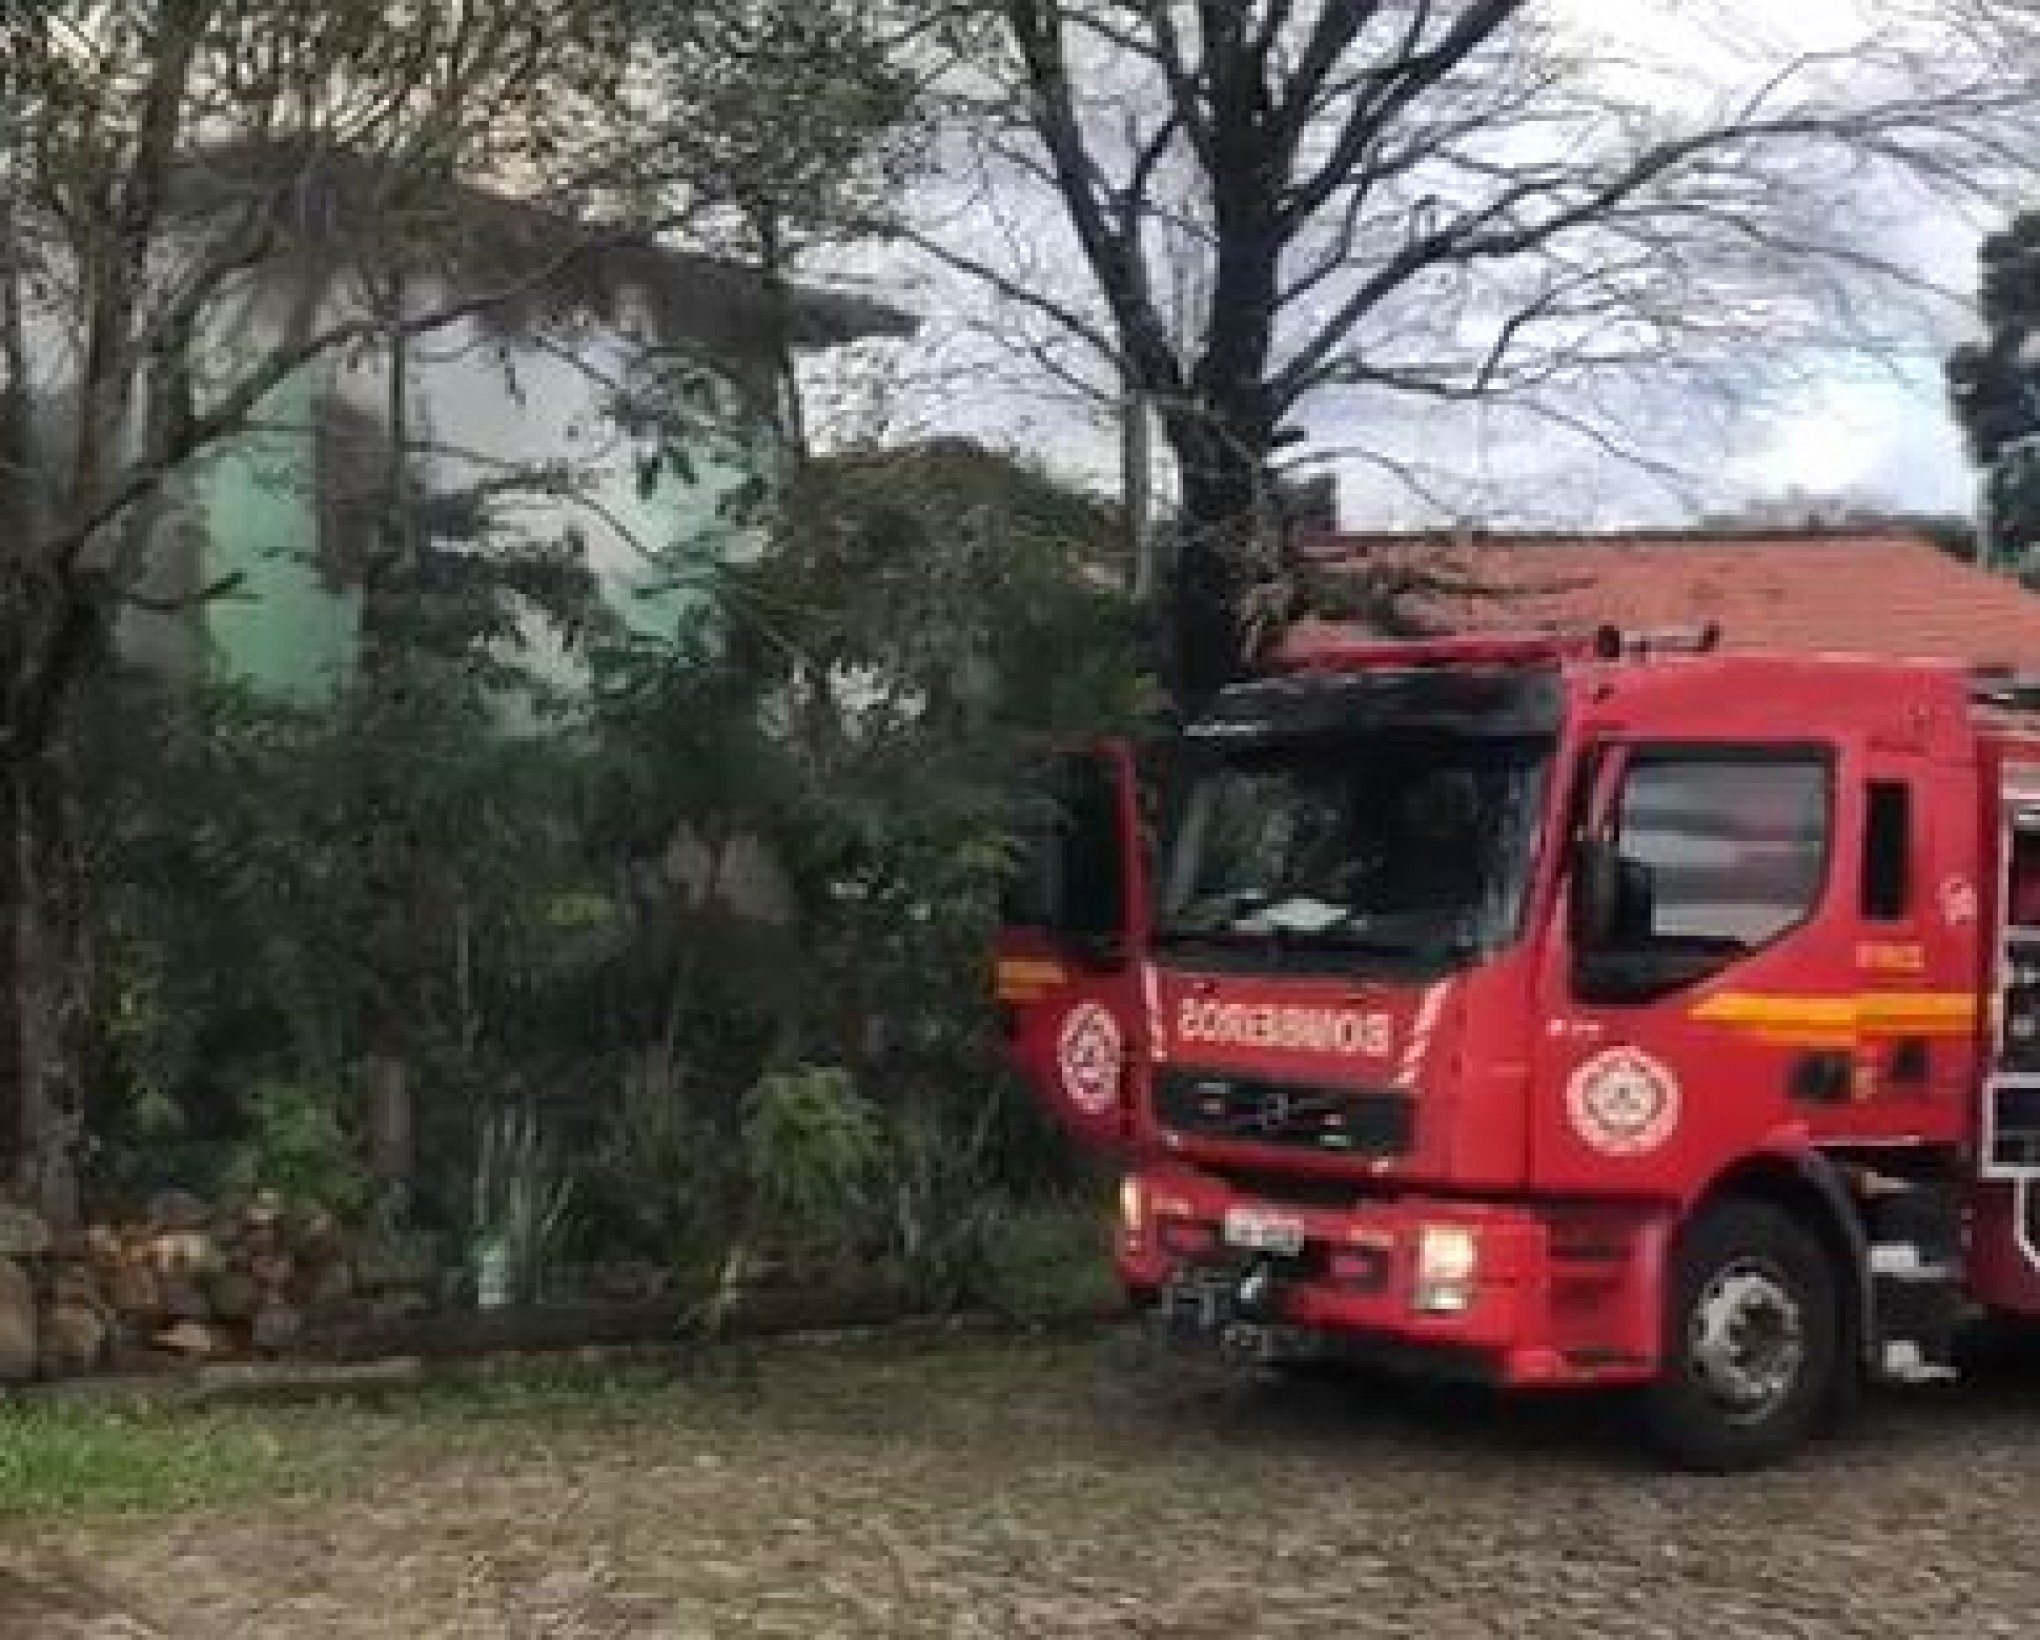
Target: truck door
1918, 957
1697, 995
1071, 949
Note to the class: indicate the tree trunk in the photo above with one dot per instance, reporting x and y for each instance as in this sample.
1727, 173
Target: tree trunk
388, 589
1226, 560
392, 1122
38, 1119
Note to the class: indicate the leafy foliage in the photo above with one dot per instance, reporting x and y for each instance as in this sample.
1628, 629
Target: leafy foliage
796, 111
522, 1198
813, 1149
296, 1144
1994, 387
715, 930
719, 933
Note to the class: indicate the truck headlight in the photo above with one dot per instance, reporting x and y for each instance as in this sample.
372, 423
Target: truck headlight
1447, 1256
1446, 1252
1132, 1206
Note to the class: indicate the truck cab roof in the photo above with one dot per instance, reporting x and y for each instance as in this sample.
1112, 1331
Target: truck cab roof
1677, 685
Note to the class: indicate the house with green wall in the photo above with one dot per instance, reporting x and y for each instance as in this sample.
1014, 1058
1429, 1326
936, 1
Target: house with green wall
622, 408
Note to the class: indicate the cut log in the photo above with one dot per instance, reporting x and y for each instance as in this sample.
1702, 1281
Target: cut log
76, 1284
181, 1298
272, 1271
329, 1286
133, 1291
17, 1324
184, 1253
193, 1339
233, 1295
277, 1328
23, 1234
177, 1210
76, 1339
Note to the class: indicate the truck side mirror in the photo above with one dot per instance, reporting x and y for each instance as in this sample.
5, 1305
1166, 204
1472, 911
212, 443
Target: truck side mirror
1612, 898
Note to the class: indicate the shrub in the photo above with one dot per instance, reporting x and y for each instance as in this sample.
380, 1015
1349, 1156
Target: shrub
1045, 1262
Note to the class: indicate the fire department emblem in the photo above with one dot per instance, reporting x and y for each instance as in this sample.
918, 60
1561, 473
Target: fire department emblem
1089, 1051
1623, 1102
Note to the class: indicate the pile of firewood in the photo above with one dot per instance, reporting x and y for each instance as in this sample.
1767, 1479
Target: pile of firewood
183, 1280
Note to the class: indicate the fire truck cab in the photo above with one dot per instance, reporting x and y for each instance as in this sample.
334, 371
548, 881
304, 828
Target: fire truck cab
1561, 1012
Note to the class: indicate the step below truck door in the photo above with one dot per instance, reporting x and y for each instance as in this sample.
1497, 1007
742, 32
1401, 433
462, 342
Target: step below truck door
1071, 951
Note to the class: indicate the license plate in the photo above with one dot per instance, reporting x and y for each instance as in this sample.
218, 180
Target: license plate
1260, 1231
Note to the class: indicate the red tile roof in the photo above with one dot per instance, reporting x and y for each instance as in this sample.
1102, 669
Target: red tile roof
1890, 592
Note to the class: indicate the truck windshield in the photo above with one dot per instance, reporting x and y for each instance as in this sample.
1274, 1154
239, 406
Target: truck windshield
1400, 851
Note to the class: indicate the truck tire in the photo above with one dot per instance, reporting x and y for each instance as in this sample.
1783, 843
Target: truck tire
1753, 1340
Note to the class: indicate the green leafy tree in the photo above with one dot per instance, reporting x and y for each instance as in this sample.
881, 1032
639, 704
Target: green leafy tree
1994, 387
841, 731
129, 250
162, 160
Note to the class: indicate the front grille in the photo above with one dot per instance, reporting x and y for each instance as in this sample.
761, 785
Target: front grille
1288, 1189
1332, 1121
1351, 1269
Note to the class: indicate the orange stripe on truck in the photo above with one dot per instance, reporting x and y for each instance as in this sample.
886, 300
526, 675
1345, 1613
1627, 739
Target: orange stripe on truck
1024, 979
1840, 1021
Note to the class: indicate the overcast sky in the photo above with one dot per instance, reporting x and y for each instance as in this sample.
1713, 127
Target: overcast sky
1881, 429
1877, 430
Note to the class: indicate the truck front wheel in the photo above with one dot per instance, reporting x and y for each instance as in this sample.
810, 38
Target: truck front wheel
1752, 1340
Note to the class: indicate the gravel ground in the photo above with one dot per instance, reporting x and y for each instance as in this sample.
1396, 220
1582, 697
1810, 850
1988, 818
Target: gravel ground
1074, 1490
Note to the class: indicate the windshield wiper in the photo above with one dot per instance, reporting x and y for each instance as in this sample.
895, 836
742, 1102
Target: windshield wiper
1177, 935
1277, 937
1221, 910
1421, 954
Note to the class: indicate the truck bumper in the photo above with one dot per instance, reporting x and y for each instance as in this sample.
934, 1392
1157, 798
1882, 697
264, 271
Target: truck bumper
1549, 1298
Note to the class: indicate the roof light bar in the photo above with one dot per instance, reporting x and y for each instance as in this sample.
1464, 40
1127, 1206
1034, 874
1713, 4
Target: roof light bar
1608, 643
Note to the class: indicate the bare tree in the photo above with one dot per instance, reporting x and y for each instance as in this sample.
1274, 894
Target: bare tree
1449, 202
167, 167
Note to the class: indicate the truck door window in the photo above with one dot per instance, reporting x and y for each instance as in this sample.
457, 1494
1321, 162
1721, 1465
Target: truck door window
1069, 875
1727, 851
1887, 851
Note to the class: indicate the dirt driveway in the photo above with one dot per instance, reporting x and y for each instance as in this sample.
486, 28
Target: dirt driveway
1060, 1490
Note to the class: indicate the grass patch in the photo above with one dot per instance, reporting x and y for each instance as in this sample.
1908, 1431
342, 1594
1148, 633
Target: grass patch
62, 1460
88, 1461
134, 1458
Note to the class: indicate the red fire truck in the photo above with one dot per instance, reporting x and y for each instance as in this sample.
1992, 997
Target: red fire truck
1560, 1013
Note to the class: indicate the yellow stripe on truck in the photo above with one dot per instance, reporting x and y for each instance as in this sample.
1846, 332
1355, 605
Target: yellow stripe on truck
1840, 1021
1024, 979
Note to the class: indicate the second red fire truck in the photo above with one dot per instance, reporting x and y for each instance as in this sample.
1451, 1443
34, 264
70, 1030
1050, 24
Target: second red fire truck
1560, 1013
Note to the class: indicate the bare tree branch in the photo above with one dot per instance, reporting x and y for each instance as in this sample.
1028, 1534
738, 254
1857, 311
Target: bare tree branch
211, 592
1467, 204
1013, 290
1037, 26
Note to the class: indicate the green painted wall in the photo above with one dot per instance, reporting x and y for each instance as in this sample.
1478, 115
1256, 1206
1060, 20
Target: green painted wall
283, 632
683, 524
288, 635
696, 513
